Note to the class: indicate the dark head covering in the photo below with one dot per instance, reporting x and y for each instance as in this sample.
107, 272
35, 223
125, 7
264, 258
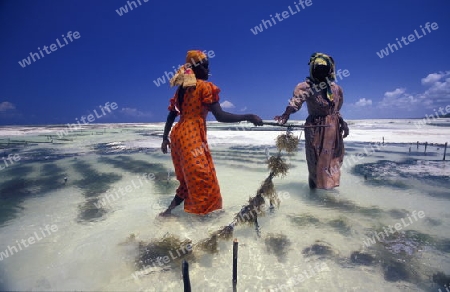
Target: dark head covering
321, 69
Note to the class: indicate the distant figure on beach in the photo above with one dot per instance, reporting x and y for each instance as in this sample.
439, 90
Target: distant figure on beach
324, 138
194, 167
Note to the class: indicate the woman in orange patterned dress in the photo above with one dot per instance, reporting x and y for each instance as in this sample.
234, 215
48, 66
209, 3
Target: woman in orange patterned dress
194, 167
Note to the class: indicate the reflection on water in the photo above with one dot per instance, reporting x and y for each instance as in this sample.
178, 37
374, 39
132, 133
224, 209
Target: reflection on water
123, 246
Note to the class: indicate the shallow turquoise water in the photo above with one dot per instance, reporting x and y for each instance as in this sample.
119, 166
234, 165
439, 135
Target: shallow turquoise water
315, 240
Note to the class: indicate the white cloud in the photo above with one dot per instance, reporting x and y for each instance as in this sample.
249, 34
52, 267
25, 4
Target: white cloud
399, 100
363, 102
9, 111
243, 109
403, 103
437, 94
132, 112
227, 104
434, 77
6, 105
439, 91
395, 93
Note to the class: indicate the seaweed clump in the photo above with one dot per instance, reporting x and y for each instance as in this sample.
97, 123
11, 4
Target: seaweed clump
287, 142
341, 225
304, 220
164, 252
209, 244
277, 244
361, 258
319, 248
267, 190
278, 166
441, 279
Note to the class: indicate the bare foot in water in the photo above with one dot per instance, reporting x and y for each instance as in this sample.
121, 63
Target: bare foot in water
166, 213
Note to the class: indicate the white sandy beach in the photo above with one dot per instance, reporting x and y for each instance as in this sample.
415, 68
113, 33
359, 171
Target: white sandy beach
393, 130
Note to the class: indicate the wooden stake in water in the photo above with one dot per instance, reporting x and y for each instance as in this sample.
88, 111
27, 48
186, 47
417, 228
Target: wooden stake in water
445, 150
235, 257
417, 145
267, 153
426, 144
186, 280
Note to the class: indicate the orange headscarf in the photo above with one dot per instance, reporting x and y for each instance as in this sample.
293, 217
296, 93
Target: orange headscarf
195, 56
185, 75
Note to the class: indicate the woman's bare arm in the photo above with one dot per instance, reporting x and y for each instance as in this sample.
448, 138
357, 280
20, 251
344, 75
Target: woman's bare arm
226, 117
169, 122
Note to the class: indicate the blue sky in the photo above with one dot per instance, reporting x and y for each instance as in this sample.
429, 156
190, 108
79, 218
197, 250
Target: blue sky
118, 58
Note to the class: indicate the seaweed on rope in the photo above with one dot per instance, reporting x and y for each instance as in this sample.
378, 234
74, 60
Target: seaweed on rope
249, 213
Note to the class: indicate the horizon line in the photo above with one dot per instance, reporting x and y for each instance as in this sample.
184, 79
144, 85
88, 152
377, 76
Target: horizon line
212, 121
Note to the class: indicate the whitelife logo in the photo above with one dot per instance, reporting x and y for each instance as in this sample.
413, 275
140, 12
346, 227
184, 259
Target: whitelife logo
109, 107
122, 10
11, 250
281, 16
411, 38
398, 226
37, 56
11, 158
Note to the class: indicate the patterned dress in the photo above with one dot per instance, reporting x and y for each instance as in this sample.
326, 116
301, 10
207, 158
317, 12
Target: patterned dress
194, 167
324, 145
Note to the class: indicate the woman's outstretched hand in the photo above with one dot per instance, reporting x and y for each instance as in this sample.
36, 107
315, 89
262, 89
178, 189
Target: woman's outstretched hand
164, 145
256, 120
282, 119
285, 116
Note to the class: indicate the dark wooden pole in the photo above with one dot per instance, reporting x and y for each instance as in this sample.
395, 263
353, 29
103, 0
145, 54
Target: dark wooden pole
426, 144
445, 150
235, 259
186, 280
